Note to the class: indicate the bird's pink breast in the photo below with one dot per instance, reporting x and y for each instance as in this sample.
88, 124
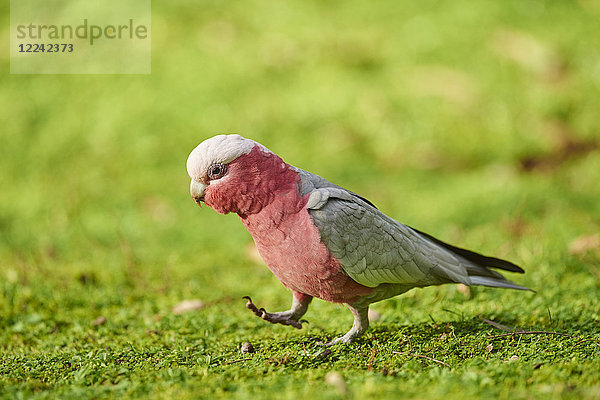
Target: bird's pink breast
291, 246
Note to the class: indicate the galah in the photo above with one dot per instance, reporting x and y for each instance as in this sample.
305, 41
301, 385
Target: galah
321, 240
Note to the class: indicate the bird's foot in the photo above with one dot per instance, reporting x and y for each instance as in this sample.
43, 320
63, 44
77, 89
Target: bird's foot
342, 339
346, 339
283, 318
359, 327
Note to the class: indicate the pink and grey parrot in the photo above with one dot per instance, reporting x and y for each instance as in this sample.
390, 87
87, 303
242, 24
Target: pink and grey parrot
321, 240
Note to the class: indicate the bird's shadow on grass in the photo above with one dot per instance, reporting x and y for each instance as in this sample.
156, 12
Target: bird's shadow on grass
424, 331
479, 327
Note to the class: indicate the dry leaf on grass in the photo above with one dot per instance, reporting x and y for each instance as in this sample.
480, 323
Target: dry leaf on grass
187, 306
464, 290
252, 254
529, 52
335, 379
584, 244
374, 315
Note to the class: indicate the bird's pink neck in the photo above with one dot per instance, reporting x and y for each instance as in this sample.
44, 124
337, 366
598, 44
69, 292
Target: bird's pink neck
257, 180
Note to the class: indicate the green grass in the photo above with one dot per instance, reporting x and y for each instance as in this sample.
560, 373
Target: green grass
474, 121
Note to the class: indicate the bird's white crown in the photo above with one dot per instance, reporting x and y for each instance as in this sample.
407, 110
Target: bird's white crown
221, 149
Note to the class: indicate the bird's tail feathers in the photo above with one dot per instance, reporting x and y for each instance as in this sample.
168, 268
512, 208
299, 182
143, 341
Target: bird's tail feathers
495, 282
475, 258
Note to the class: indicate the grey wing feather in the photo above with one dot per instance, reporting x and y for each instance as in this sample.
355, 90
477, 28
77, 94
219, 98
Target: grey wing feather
309, 182
375, 249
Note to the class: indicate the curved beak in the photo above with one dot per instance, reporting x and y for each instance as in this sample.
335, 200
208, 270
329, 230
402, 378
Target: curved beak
197, 190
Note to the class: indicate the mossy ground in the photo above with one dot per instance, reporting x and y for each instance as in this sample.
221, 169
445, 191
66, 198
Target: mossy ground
474, 121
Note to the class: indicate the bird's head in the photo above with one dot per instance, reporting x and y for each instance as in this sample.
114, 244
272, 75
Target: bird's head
230, 173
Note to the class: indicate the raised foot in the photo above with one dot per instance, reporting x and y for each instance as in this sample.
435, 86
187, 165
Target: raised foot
283, 318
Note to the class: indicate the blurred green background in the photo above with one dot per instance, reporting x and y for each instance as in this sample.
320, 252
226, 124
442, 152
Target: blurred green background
474, 121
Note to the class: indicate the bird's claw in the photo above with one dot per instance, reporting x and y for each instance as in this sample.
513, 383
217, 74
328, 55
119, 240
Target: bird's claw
346, 339
328, 344
274, 318
252, 307
320, 343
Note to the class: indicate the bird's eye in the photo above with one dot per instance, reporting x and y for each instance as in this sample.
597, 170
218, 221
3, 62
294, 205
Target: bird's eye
216, 171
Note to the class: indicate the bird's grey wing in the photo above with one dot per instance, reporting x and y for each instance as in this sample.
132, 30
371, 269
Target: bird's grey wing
375, 249
309, 182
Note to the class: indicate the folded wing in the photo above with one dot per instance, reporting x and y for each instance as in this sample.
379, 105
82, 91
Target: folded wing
375, 249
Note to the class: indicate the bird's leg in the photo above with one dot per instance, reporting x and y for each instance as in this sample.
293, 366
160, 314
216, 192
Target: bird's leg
360, 325
291, 317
